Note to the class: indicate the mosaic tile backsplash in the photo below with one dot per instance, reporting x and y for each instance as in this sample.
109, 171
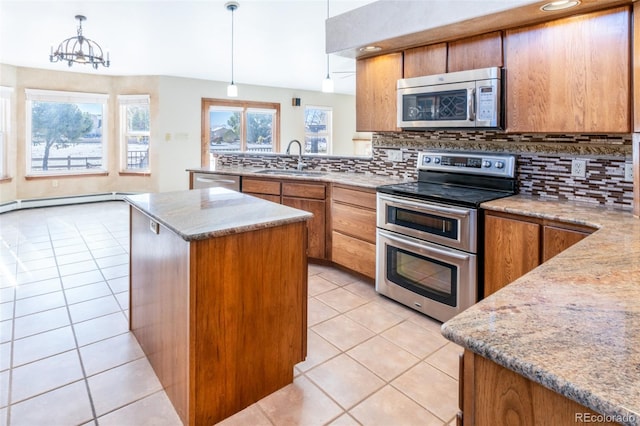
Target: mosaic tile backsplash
543, 165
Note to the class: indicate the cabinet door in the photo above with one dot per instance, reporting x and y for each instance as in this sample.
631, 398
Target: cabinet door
316, 225
354, 253
425, 60
355, 221
557, 239
481, 51
570, 75
512, 248
376, 82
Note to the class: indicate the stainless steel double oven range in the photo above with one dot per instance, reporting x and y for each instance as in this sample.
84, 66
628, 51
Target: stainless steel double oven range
429, 232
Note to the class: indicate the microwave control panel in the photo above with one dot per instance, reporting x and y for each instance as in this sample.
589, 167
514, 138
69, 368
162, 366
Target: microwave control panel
486, 103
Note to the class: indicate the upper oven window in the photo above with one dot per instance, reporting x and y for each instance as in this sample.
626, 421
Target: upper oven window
430, 223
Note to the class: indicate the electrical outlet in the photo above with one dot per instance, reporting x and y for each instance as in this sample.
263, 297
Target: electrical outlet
628, 172
394, 154
54, 183
578, 168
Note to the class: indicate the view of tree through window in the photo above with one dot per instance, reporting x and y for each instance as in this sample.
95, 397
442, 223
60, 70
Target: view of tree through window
317, 128
240, 126
65, 136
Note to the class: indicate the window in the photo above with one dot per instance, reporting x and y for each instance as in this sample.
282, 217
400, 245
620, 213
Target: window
65, 132
5, 120
134, 133
317, 130
239, 126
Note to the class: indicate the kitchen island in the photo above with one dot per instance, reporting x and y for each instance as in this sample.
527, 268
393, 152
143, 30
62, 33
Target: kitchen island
218, 296
561, 344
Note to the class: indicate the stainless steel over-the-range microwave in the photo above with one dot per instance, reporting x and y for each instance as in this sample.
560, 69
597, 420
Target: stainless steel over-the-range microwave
463, 99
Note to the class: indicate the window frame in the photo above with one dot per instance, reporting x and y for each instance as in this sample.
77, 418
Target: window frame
329, 132
5, 128
125, 101
250, 106
39, 95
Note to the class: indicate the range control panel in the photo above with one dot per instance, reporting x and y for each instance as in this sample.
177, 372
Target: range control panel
487, 164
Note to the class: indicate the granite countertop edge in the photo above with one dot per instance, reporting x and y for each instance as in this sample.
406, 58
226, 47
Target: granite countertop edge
497, 326
165, 216
363, 180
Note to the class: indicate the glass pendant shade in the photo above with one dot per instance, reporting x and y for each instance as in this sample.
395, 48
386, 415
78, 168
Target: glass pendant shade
327, 85
232, 91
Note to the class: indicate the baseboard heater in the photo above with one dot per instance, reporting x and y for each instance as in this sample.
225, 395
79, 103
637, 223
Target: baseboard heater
61, 201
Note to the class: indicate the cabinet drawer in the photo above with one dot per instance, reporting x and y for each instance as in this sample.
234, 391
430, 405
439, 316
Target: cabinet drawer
259, 186
352, 196
303, 190
357, 255
355, 221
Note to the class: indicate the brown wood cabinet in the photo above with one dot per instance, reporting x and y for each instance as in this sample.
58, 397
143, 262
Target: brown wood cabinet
512, 248
493, 395
470, 53
222, 320
425, 60
306, 196
376, 82
515, 244
570, 75
353, 228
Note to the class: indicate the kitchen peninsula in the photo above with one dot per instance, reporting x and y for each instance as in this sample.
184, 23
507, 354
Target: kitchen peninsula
218, 296
560, 344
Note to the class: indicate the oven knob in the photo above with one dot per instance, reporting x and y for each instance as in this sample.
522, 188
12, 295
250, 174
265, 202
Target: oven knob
426, 160
499, 164
486, 163
436, 160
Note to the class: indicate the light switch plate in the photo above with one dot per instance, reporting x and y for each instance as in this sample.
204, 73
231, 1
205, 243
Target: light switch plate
578, 168
628, 172
394, 154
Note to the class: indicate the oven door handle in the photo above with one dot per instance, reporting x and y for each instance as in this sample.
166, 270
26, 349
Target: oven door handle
424, 207
423, 246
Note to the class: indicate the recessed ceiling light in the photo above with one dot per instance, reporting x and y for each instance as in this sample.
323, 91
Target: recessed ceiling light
559, 5
371, 49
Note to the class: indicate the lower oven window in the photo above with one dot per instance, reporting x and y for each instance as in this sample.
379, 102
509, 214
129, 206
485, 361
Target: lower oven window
430, 278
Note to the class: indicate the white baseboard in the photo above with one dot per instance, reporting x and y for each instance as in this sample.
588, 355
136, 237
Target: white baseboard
61, 201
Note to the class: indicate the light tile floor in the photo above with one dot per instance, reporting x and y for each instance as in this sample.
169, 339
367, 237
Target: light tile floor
67, 357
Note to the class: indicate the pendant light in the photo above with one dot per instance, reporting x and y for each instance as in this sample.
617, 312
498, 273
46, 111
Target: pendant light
327, 83
232, 89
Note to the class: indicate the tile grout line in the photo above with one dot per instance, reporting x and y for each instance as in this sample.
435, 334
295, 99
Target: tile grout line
75, 338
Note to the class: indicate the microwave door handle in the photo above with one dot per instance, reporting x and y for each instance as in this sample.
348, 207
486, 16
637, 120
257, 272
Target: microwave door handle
471, 104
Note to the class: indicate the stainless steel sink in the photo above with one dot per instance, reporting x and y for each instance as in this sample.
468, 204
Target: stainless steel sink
290, 172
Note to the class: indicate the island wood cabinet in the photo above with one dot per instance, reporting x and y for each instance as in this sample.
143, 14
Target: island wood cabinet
306, 196
490, 395
222, 320
353, 228
514, 245
376, 82
570, 75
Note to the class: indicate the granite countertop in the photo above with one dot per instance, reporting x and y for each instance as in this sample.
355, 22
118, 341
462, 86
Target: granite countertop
573, 323
363, 180
205, 213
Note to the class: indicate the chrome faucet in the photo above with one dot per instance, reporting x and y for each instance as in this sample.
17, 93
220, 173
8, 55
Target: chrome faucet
301, 165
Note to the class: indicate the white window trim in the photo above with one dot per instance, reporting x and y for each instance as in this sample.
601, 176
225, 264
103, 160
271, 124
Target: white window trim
65, 97
329, 124
123, 102
5, 127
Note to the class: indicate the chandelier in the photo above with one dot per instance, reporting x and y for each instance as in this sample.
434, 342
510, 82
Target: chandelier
80, 49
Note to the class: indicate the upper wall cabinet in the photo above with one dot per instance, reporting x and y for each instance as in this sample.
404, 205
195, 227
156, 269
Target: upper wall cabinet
470, 53
425, 60
570, 75
376, 81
